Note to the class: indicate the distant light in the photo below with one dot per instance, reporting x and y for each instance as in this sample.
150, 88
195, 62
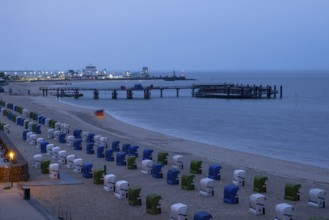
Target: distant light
11, 155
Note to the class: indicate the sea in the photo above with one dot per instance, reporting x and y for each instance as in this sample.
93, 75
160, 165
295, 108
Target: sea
293, 128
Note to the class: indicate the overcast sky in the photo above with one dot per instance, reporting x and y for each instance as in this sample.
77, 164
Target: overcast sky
164, 34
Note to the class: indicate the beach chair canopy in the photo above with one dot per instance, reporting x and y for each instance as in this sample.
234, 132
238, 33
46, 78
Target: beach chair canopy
152, 204
206, 187
121, 189
260, 183
69, 140
98, 177
195, 167
100, 151
147, 166
61, 138
121, 159
69, 160
109, 182
77, 133
214, 171
188, 181
43, 147
172, 176
157, 170
239, 177
90, 148
147, 154
317, 198
291, 191
53, 167
37, 157
163, 158
86, 170
283, 211
115, 145
131, 162
257, 204
45, 166
178, 211
134, 198
125, 148
133, 150
231, 194
202, 215
178, 161
49, 148
109, 154
90, 137
77, 144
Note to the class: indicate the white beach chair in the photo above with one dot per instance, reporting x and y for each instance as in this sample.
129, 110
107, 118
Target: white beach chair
69, 160
147, 166
104, 141
62, 157
283, 211
54, 152
97, 139
239, 177
49, 149
37, 161
56, 135
77, 165
39, 141
58, 126
178, 211
54, 170
69, 140
206, 187
178, 162
6, 128
28, 136
257, 204
25, 113
50, 133
109, 182
317, 198
33, 139
121, 189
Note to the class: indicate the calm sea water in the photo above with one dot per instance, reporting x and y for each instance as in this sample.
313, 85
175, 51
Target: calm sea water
294, 128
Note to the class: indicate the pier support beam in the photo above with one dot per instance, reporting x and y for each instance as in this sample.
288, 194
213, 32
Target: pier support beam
147, 94
280, 92
76, 94
274, 92
177, 93
129, 94
161, 93
114, 94
96, 94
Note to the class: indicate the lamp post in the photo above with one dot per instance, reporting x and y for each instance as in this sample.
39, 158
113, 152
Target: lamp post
11, 155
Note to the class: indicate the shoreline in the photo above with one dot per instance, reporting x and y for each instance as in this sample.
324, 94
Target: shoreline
83, 196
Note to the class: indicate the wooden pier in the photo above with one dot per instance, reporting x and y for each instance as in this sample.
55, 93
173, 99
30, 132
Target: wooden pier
198, 90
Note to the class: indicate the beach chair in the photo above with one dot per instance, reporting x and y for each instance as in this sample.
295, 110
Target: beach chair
134, 198
147, 154
121, 189
84, 136
153, 205
24, 135
47, 122
100, 151
90, 137
77, 144
65, 128
125, 148
98, 177
257, 204
33, 139
43, 147
109, 154
291, 192
214, 171
86, 170
196, 167
131, 162
77, 165
283, 211
69, 160
202, 215
62, 157
115, 146
317, 198
97, 139
56, 135
178, 211
58, 126
239, 177
188, 181
49, 149
104, 141
178, 162
157, 170
37, 161
61, 138
133, 150
206, 187
54, 152
54, 171
50, 133
77, 133
39, 141
6, 128
109, 182
260, 184
147, 166
69, 140
172, 176
28, 136
163, 158
121, 159
231, 194
90, 148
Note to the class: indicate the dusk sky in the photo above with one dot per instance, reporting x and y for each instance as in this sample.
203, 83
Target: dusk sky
164, 34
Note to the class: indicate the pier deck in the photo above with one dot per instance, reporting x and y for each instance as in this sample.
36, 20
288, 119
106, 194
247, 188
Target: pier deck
198, 90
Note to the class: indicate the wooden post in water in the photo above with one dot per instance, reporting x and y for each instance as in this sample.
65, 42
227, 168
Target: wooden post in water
96, 94
114, 94
177, 93
57, 94
161, 93
274, 91
281, 92
76, 95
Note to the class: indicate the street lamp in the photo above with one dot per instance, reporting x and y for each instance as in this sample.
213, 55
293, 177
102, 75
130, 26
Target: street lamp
11, 156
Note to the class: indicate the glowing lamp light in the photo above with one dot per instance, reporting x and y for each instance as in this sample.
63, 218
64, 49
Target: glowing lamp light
11, 155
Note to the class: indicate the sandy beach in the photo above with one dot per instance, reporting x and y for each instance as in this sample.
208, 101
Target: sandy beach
85, 200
